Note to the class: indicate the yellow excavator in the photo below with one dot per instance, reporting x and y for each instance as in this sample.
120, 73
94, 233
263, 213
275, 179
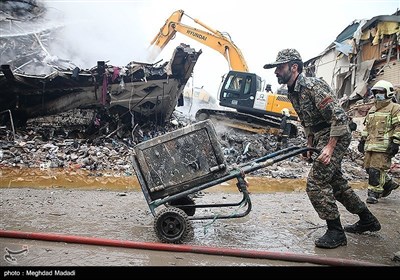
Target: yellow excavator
240, 89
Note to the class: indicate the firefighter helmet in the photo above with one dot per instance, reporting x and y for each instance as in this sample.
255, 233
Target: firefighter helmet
385, 86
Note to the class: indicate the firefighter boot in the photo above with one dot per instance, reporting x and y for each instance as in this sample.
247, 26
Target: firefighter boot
373, 197
367, 222
333, 237
389, 187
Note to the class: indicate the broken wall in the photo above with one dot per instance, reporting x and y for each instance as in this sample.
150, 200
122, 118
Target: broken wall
365, 52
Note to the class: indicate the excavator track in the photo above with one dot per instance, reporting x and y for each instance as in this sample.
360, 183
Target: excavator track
243, 121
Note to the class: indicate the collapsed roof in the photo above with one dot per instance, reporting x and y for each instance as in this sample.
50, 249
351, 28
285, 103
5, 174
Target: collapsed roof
35, 83
364, 52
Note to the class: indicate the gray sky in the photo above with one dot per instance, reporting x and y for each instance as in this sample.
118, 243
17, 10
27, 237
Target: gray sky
120, 31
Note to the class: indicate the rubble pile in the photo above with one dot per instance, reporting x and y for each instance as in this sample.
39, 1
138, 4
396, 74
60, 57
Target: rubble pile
30, 149
46, 145
242, 147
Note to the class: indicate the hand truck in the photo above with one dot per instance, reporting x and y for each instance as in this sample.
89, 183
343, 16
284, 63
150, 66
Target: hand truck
172, 167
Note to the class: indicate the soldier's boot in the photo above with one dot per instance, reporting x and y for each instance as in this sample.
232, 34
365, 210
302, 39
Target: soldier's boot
389, 187
373, 197
367, 222
333, 237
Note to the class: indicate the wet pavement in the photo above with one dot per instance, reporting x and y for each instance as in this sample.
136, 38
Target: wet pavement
280, 222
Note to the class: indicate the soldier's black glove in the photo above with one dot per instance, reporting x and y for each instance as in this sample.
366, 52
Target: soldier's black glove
361, 146
393, 149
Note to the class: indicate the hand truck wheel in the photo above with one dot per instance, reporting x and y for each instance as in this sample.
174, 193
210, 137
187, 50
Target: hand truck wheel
172, 225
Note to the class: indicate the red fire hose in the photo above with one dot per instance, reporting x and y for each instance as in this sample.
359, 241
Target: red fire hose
282, 256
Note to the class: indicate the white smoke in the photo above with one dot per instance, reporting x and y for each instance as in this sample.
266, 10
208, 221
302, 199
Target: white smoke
97, 30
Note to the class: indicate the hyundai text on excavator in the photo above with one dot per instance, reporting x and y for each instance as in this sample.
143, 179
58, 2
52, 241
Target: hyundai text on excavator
255, 109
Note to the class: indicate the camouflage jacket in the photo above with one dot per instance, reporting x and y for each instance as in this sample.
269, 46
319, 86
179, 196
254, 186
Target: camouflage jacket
316, 104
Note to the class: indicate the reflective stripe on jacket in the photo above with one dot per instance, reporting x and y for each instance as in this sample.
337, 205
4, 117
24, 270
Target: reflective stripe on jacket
382, 126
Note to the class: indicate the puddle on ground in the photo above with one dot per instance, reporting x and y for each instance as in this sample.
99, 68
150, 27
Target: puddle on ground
120, 181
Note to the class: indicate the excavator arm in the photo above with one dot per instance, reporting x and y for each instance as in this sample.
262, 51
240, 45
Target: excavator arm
255, 109
211, 38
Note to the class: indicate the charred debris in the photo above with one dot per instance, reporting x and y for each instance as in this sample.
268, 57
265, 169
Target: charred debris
43, 93
105, 98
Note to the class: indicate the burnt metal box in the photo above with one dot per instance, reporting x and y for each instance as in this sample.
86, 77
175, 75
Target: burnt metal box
179, 160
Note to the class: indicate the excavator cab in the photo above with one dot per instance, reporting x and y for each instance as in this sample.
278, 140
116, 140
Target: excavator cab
239, 90
244, 92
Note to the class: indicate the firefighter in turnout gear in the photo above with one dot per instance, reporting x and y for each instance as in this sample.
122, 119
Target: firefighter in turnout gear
380, 141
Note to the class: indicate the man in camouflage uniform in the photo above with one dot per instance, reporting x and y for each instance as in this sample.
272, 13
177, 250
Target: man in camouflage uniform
326, 125
380, 141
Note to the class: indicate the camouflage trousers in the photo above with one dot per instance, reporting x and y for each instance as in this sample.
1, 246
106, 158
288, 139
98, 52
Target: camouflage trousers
326, 184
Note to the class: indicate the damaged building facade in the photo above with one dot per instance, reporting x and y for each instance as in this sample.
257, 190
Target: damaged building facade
363, 53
